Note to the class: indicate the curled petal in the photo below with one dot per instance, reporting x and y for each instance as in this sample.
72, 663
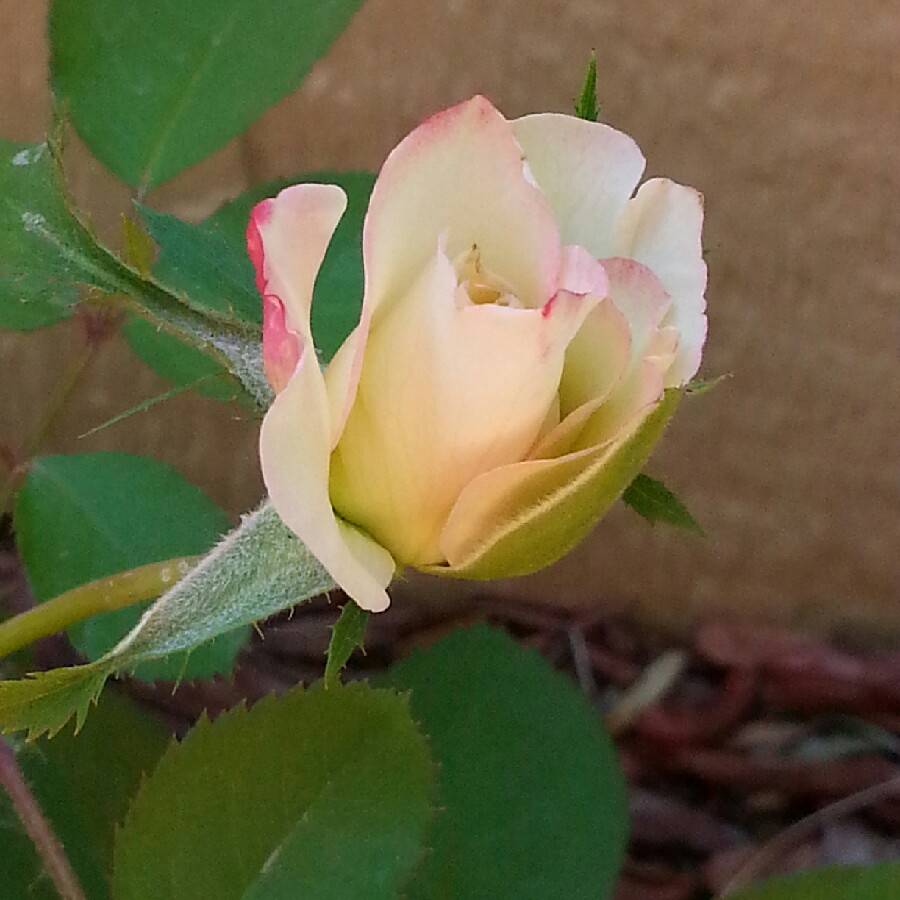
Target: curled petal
661, 228
640, 297
287, 237
294, 449
460, 173
596, 360
587, 171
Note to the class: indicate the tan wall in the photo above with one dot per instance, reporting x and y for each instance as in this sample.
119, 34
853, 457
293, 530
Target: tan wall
784, 114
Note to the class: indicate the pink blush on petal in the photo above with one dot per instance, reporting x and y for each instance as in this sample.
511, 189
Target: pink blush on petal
281, 347
261, 214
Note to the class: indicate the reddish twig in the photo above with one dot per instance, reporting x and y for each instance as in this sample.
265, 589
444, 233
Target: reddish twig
37, 827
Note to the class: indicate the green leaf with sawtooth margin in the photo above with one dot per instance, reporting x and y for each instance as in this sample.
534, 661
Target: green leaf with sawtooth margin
346, 635
876, 882
318, 794
39, 246
586, 107
43, 702
260, 569
531, 799
212, 269
84, 787
652, 500
154, 88
81, 517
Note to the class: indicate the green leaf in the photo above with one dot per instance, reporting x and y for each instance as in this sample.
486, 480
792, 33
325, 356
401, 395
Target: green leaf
346, 635
178, 362
319, 794
81, 517
656, 503
213, 270
84, 787
42, 255
43, 702
701, 386
208, 263
587, 106
531, 798
204, 263
261, 568
47, 254
155, 88
337, 300
877, 882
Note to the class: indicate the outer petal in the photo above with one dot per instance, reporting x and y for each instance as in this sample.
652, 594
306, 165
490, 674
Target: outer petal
522, 517
287, 238
661, 228
294, 449
587, 171
461, 174
450, 390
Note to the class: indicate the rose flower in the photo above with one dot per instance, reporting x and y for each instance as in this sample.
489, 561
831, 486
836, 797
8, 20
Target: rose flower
527, 321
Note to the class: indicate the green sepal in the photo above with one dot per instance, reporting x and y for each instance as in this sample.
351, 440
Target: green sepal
346, 635
653, 501
551, 511
587, 107
259, 569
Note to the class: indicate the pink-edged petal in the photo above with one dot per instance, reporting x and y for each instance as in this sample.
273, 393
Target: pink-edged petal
451, 389
459, 174
522, 517
596, 360
661, 228
581, 273
287, 237
640, 297
587, 171
295, 446
281, 346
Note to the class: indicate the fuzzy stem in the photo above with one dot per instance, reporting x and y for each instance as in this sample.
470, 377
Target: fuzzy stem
112, 592
37, 827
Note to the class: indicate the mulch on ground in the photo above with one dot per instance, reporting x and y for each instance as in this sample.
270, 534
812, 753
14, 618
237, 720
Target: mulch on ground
748, 750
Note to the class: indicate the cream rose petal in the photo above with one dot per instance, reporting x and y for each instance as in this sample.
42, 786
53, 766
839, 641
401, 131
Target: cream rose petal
451, 389
661, 228
459, 174
287, 238
587, 171
639, 295
596, 360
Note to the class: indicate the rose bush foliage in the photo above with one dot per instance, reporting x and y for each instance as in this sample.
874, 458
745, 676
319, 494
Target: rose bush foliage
526, 323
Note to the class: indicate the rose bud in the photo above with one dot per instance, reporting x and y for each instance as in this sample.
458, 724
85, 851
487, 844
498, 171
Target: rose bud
525, 326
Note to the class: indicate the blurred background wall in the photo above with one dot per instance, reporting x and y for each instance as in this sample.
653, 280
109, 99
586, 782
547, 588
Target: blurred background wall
785, 116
